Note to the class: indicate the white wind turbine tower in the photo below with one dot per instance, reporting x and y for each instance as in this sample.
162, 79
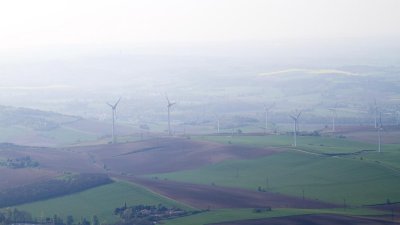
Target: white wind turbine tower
334, 115
169, 105
295, 118
217, 117
380, 128
266, 111
375, 108
114, 115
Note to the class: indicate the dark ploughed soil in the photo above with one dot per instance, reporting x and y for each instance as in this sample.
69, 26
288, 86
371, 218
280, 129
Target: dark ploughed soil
167, 155
207, 196
145, 157
323, 219
55, 159
10, 178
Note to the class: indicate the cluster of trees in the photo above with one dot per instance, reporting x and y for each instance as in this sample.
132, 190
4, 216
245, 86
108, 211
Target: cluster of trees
10, 216
56, 220
137, 214
51, 188
261, 210
22, 162
148, 214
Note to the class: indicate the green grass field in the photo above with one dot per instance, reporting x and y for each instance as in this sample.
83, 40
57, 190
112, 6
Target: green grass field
225, 215
390, 155
100, 201
328, 179
65, 136
9, 133
314, 144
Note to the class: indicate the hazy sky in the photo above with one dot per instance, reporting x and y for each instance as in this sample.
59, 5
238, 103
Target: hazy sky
27, 23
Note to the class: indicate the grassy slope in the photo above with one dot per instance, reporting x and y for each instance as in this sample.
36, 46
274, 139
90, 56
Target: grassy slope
225, 215
325, 178
63, 135
390, 155
100, 201
315, 144
8, 133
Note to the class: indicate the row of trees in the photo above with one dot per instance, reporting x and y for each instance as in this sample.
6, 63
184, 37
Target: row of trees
12, 216
9, 216
22, 162
51, 188
137, 214
70, 220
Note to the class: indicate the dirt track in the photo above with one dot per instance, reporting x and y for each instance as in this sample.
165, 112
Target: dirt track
313, 220
207, 196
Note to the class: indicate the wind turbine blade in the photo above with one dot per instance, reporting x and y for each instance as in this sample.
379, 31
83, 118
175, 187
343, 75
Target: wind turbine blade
298, 115
109, 105
272, 105
269, 106
115, 105
166, 96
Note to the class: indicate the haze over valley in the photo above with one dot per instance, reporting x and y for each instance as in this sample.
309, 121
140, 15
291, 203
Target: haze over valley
199, 112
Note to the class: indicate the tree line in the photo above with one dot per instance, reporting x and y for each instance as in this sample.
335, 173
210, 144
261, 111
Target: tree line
21, 162
51, 188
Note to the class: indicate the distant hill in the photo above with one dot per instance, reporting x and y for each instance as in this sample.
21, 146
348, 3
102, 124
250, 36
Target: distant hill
33, 127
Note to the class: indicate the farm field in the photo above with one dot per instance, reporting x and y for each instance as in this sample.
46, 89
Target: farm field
10, 177
326, 219
65, 136
217, 197
344, 147
227, 216
100, 201
317, 144
228, 175
146, 157
324, 178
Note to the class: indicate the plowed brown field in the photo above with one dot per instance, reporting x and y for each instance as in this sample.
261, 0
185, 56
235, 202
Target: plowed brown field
313, 220
167, 155
211, 197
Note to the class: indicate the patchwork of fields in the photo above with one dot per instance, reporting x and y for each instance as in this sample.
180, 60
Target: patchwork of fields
228, 176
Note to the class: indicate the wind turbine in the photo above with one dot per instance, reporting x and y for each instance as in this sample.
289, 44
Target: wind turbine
217, 117
375, 109
114, 116
380, 128
295, 118
169, 105
334, 115
266, 110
